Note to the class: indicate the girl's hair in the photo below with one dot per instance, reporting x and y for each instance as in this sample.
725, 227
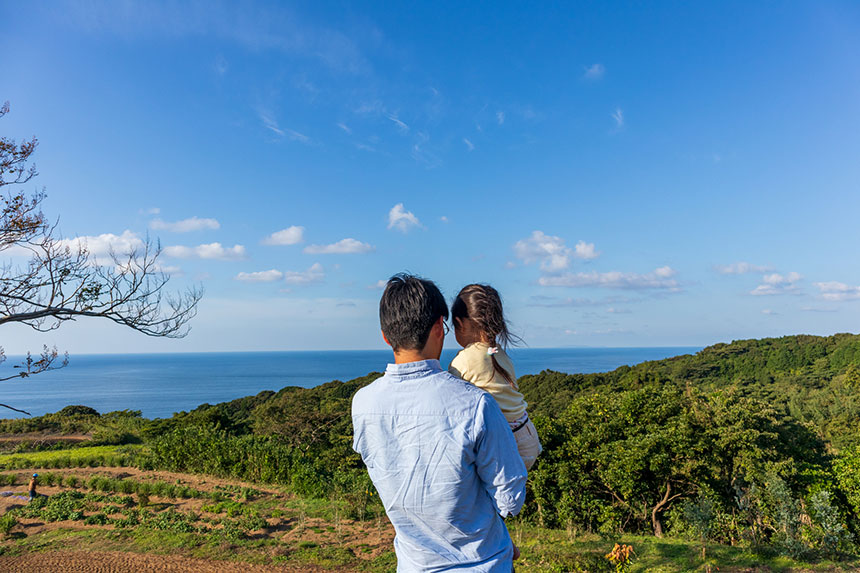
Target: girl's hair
483, 306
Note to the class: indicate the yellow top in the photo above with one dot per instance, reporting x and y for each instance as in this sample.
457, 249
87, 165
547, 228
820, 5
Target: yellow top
474, 365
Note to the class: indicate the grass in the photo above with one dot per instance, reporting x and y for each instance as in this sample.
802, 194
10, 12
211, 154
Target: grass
556, 551
74, 457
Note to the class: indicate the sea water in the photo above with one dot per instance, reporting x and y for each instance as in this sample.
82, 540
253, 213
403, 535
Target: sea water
160, 384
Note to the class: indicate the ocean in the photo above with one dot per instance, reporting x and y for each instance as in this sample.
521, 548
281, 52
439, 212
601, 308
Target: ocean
161, 384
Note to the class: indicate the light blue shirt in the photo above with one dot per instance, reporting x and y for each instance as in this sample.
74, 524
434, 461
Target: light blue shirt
446, 467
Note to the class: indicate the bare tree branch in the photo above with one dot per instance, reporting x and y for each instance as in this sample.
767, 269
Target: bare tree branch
60, 281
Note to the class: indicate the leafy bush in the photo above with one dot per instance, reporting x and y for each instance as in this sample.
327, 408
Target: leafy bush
7, 521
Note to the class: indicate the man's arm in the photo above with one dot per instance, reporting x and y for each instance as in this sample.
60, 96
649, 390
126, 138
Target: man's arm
498, 462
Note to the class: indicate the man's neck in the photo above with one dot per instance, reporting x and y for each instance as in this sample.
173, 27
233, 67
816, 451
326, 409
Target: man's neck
406, 356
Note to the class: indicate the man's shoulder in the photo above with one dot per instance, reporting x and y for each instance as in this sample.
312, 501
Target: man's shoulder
442, 384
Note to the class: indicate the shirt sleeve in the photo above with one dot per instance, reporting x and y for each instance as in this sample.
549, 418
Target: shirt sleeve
459, 367
498, 462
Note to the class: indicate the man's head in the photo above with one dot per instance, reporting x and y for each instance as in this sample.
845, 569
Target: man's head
409, 309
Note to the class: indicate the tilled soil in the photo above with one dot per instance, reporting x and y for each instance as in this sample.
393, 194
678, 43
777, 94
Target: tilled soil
122, 562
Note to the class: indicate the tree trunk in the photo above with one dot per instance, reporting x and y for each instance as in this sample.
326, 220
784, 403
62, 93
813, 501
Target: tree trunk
661, 505
655, 522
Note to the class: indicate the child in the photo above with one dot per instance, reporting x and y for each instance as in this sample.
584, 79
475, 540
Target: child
480, 327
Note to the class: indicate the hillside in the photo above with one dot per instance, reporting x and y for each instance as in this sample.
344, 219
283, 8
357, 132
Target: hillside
753, 443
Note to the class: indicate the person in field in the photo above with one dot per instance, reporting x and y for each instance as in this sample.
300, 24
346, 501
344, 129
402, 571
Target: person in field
438, 449
481, 329
31, 487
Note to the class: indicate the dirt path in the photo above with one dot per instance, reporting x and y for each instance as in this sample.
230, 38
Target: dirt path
121, 562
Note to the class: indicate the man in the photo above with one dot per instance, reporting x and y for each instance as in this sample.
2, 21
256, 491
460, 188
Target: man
438, 449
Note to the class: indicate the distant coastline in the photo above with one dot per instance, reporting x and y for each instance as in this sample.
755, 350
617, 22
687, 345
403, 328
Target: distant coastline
160, 384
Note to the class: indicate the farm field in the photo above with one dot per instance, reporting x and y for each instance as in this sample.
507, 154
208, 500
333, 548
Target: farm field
123, 518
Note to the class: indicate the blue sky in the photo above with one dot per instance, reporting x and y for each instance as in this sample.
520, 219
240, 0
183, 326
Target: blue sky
625, 175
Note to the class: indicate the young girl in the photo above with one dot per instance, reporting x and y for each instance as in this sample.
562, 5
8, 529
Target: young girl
480, 328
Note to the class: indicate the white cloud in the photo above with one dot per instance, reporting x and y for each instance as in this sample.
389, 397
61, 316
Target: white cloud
402, 127
378, 285
583, 250
261, 276
741, 268
314, 274
185, 225
594, 72
342, 247
550, 251
775, 283
401, 219
345, 127
659, 279
469, 145
101, 246
836, 291
150, 211
170, 270
443, 218
500, 117
207, 251
618, 116
769, 312
289, 236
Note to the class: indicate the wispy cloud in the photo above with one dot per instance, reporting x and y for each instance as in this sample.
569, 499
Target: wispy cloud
401, 126
594, 72
423, 155
557, 302
290, 236
659, 279
207, 251
775, 284
150, 211
618, 116
314, 274
469, 145
296, 136
500, 117
269, 276
269, 122
378, 285
345, 127
741, 268
402, 220
347, 246
221, 66
837, 291
185, 225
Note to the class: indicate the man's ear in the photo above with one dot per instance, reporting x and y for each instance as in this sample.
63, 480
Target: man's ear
385, 339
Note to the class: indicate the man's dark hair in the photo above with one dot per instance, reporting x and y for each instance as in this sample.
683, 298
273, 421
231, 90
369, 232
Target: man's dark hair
409, 308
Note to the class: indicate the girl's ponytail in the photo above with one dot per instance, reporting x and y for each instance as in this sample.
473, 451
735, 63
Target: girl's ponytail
483, 306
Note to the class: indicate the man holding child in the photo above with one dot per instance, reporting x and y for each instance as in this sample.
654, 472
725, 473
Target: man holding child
439, 450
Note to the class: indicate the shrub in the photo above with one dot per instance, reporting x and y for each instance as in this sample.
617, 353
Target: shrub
7, 522
96, 519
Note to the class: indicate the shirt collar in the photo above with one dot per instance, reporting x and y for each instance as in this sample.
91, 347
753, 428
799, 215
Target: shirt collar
413, 369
